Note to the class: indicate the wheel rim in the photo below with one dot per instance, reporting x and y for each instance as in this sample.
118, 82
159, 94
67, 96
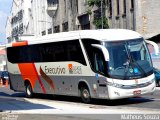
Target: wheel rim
29, 90
85, 94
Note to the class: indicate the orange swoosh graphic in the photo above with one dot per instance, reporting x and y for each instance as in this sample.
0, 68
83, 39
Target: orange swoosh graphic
46, 78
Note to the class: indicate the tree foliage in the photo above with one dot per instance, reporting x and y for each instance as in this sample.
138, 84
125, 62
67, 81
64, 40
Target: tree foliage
98, 20
94, 2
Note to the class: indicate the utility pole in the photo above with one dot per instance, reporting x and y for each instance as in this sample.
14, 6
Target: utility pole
102, 13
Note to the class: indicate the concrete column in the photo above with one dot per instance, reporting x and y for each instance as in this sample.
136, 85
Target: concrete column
113, 13
128, 14
121, 13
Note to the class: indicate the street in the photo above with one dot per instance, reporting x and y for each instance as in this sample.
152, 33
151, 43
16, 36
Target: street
15, 103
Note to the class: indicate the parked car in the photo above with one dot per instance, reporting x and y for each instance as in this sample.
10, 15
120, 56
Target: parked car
4, 76
157, 76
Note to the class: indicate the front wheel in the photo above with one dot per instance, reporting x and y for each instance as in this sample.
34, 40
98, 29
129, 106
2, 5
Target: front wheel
158, 84
29, 91
85, 95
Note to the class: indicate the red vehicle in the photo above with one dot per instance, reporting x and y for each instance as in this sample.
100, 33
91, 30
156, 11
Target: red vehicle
4, 76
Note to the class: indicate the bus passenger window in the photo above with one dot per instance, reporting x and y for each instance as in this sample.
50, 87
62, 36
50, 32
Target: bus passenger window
99, 62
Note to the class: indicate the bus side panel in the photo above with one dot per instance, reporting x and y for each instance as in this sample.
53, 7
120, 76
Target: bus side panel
59, 84
16, 82
68, 85
97, 87
59, 79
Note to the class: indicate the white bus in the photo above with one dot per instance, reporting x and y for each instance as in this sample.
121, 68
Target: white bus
105, 64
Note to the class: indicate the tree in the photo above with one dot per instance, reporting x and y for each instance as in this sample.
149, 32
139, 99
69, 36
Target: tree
100, 20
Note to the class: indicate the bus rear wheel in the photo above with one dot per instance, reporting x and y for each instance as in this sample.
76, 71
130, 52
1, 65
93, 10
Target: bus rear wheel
29, 91
85, 95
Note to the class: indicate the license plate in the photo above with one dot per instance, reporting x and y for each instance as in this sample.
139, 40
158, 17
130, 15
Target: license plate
137, 92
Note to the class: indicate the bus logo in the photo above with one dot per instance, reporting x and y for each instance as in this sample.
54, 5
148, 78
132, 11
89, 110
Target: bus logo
70, 66
74, 69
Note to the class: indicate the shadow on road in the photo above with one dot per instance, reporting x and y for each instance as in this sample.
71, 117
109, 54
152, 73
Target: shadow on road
120, 102
12, 95
14, 105
13, 101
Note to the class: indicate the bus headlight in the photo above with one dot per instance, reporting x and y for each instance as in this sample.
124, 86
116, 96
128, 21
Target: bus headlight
150, 82
133, 86
115, 85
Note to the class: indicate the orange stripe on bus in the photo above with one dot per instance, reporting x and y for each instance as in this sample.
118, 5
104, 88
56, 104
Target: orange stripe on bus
29, 72
23, 43
47, 78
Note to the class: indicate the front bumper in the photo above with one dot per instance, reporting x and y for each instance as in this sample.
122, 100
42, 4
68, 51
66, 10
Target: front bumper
118, 93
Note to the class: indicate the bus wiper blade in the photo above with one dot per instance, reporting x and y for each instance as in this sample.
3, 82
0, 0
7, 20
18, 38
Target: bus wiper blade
141, 69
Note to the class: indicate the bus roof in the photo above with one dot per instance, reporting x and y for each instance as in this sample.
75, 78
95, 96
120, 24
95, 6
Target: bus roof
110, 34
101, 34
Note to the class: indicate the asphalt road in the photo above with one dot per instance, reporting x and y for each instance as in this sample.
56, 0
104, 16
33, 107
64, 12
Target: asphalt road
14, 106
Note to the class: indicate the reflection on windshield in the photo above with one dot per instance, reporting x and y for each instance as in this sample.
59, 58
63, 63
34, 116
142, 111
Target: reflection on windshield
129, 59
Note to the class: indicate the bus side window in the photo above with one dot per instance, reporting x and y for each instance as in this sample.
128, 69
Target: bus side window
99, 62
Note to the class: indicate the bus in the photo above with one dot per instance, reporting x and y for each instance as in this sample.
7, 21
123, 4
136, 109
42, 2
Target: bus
102, 64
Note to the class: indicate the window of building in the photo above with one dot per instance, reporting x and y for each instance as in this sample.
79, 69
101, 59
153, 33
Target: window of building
84, 21
76, 5
117, 7
43, 33
124, 7
109, 2
56, 29
65, 27
132, 5
50, 31
85, 27
52, 3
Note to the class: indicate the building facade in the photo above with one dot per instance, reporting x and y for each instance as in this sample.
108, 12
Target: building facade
2, 58
20, 20
43, 17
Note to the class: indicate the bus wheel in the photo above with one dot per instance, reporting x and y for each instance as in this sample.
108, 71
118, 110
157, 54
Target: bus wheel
85, 95
158, 83
29, 91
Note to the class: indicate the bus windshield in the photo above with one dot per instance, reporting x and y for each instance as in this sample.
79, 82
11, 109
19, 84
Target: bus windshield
129, 59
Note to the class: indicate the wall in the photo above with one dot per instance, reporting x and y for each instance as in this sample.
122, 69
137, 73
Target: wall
148, 17
2, 58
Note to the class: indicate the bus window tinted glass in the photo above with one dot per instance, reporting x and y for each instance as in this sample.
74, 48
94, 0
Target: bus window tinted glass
47, 52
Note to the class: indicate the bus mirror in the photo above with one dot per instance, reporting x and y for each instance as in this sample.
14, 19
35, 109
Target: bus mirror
104, 50
156, 48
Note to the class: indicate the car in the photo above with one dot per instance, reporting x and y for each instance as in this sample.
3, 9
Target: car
157, 76
4, 76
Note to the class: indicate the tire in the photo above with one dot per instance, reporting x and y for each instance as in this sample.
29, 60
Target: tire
29, 91
158, 83
85, 95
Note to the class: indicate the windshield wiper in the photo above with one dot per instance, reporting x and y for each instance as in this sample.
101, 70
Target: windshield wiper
130, 63
141, 69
